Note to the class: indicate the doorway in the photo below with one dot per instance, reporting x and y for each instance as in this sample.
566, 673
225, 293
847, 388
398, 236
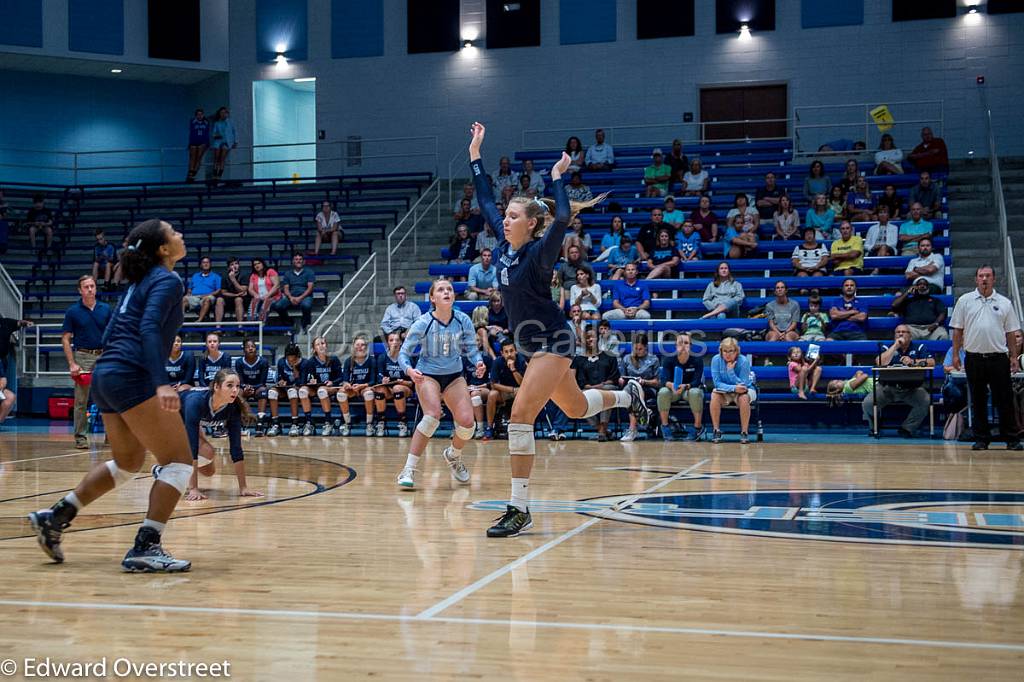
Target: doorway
284, 128
744, 103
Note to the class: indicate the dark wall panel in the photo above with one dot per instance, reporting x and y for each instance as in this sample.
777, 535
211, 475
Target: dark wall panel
174, 30
513, 24
433, 26
586, 21
911, 10
357, 28
96, 26
21, 23
664, 18
1004, 6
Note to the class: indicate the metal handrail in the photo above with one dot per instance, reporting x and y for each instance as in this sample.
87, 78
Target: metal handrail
866, 120
462, 153
414, 212
610, 131
11, 301
1009, 266
315, 329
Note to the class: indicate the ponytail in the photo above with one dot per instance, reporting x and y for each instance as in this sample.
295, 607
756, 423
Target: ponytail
143, 251
543, 209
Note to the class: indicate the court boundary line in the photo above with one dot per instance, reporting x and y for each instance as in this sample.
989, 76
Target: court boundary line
45, 457
455, 598
455, 620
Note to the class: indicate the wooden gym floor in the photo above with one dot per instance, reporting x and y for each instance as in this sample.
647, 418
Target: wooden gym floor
774, 561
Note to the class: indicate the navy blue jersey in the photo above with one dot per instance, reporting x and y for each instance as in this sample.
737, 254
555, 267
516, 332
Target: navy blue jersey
141, 331
316, 371
254, 374
501, 374
469, 372
291, 376
181, 371
199, 132
525, 275
663, 254
389, 367
359, 373
208, 368
196, 411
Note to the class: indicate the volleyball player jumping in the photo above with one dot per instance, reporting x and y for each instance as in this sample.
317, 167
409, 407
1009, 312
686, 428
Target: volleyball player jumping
528, 246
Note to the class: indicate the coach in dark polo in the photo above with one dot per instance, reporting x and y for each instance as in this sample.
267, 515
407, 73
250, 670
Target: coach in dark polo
82, 338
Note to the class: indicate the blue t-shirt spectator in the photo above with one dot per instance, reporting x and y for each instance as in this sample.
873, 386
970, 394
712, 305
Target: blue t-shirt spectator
500, 373
688, 246
483, 279
103, 253
610, 240
620, 258
844, 326
631, 295
915, 352
297, 281
86, 326
203, 285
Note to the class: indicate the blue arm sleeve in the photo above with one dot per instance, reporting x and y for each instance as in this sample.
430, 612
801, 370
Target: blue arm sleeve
188, 369
234, 427
412, 339
190, 415
551, 242
163, 296
485, 197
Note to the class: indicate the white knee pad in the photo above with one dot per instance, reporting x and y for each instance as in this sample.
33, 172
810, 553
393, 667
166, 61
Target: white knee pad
118, 474
176, 475
321, 393
272, 393
203, 461
342, 397
428, 425
303, 393
368, 394
595, 402
465, 432
293, 393
477, 401
520, 439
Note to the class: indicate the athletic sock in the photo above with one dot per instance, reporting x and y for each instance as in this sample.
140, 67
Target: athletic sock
347, 416
65, 510
520, 493
411, 460
457, 452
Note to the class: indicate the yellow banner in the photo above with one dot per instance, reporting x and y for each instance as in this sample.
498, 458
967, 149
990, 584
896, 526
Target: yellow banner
882, 118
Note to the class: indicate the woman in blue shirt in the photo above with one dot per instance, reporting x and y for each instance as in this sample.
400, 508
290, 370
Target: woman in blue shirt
733, 385
198, 142
223, 139
137, 402
816, 181
442, 338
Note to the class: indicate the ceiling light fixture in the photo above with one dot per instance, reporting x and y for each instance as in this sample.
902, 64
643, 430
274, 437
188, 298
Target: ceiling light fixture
115, 70
281, 59
972, 9
305, 80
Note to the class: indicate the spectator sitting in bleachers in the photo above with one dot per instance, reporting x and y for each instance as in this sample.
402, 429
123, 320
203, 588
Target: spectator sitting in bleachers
203, 290
39, 219
212, 360
507, 193
576, 235
931, 155
786, 220
931, 266
600, 156
705, 220
574, 148
820, 217
741, 207
180, 367
465, 216
233, 292
579, 327
574, 260
954, 388
672, 215
328, 225
741, 237
850, 175
913, 229
479, 390
607, 341
927, 193
646, 369
723, 296
814, 322
849, 315
804, 373
264, 289
837, 203
506, 376
891, 199
557, 292
524, 191
688, 243
462, 247
577, 191
3, 205
467, 193
600, 371
733, 385
615, 231
847, 254
816, 181
103, 257
486, 239
663, 260
621, 256
883, 237
921, 312
483, 278
657, 176
695, 180
400, 315
810, 257
504, 176
297, 286
682, 377
860, 204
118, 261
223, 138
889, 157
586, 293
536, 180
497, 320
766, 200
783, 315
647, 236
860, 384
392, 384
901, 353
631, 298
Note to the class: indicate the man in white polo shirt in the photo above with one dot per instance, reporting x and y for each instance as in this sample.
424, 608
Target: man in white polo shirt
984, 324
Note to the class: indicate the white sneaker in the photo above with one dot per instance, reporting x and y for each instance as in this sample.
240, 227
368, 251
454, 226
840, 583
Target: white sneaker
403, 430
328, 429
343, 430
294, 430
309, 429
628, 436
378, 430
369, 430
459, 471
407, 479
478, 434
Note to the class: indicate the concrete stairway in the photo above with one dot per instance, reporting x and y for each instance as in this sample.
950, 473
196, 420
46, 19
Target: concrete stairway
973, 225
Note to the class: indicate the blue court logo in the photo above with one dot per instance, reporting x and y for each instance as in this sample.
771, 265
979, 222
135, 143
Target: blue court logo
952, 518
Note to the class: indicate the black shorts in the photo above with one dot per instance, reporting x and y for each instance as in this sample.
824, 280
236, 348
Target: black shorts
560, 342
260, 392
445, 380
118, 388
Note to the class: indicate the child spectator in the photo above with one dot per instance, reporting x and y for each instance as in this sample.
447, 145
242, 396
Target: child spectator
103, 257
740, 239
689, 243
814, 322
804, 373
860, 384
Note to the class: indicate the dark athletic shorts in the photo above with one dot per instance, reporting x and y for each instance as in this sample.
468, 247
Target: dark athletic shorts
445, 380
118, 388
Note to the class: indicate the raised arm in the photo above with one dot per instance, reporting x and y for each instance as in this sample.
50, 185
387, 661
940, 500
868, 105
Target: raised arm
484, 192
551, 242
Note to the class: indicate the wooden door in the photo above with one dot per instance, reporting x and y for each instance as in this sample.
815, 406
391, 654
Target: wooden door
744, 103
